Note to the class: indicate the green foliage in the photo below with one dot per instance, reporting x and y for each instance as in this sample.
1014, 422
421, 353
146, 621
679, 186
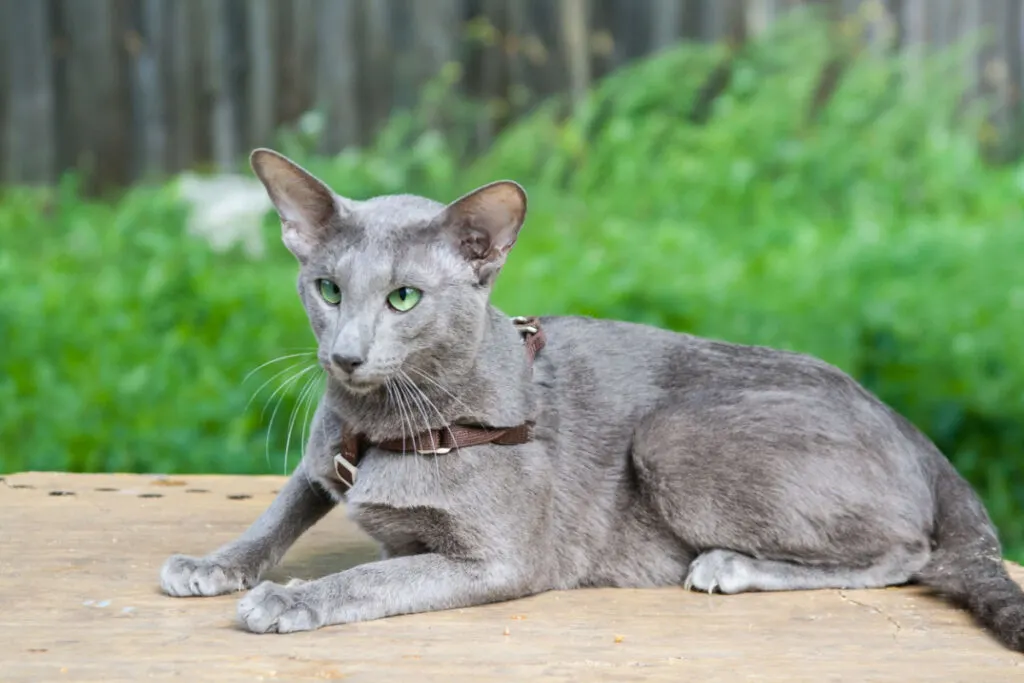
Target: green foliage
868, 231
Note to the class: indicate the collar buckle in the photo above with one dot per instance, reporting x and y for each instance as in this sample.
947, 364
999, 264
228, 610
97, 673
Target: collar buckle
434, 451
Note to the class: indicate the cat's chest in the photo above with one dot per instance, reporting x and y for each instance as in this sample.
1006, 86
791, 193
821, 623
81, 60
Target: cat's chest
400, 480
379, 477
431, 502
400, 502
408, 530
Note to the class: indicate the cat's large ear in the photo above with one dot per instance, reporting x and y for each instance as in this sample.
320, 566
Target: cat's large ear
308, 209
483, 225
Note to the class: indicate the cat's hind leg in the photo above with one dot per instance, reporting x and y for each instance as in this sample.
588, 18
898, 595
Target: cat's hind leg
727, 571
775, 491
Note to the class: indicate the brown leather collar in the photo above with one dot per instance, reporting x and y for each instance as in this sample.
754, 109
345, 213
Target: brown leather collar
449, 438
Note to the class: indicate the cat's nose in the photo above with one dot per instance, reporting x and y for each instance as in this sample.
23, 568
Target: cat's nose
346, 363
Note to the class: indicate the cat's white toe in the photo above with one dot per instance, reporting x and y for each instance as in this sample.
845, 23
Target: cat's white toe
183, 576
273, 608
722, 570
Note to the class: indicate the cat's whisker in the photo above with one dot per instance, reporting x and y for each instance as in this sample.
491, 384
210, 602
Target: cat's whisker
279, 392
403, 392
426, 376
280, 388
303, 395
310, 400
388, 401
270, 427
426, 421
407, 419
414, 390
313, 487
416, 399
419, 404
444, 423
400, 403
307, 433
272, 378
276, 360
300, 403
283, 385
433, 406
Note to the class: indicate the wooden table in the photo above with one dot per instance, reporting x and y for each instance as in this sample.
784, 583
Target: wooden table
79, 601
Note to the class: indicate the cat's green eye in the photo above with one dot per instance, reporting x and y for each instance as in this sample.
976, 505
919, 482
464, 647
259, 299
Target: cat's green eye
404, 298
330, 292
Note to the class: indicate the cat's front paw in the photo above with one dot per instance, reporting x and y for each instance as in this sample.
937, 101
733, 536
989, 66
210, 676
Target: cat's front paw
724, 570
183, 576
273, 608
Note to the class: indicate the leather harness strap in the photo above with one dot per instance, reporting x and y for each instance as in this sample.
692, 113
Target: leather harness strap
451, 437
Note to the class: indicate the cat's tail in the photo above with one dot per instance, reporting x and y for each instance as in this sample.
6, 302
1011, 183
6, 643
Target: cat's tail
967, 565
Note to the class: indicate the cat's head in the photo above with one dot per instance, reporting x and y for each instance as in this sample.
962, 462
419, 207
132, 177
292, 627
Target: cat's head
396, 283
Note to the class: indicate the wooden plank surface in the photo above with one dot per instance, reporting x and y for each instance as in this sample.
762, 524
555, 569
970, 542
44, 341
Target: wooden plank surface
80, 554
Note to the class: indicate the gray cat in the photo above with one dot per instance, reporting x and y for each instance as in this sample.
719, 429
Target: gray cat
622, 455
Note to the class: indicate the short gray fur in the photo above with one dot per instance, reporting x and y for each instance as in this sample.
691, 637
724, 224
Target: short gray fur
659, 459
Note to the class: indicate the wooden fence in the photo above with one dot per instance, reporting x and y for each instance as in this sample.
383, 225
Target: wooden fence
130, 89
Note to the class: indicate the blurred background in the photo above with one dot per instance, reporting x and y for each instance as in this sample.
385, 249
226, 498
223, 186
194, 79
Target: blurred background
839, 177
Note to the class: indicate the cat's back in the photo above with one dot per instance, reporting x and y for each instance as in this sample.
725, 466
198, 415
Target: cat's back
633, 355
